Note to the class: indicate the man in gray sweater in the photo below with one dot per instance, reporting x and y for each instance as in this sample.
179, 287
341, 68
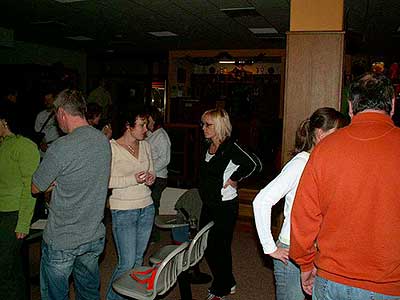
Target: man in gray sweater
77, 167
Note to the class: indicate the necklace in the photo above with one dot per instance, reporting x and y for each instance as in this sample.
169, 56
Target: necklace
131, 149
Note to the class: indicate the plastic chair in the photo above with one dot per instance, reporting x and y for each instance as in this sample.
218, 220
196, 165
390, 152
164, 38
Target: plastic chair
169, 269
169, 221
195, 252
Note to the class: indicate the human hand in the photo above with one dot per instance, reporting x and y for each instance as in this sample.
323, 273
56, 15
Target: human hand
43, 147
20, 235
140, 177
107, 130
282, 254
231, 183
307, 280
51, 187
150, 178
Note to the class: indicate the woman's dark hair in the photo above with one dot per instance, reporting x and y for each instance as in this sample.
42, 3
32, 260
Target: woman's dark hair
12, 119
156, 115
50, 90
92, 111
127, 118
324, 118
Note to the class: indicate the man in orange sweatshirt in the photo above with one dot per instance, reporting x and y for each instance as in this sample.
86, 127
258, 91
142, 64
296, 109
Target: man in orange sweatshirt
345, 232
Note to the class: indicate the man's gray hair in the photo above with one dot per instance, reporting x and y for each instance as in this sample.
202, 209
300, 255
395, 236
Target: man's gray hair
72, 101
372, 91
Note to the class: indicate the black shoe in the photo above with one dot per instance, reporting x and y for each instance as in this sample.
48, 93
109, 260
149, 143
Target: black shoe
199, 278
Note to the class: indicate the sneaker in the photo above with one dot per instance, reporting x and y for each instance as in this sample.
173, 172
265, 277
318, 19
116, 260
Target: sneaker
233, 290
214, 297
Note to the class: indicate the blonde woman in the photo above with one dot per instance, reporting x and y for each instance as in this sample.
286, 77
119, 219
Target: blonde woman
223, 165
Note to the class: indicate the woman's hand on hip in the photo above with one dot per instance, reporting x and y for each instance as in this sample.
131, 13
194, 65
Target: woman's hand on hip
281, 254
231, 183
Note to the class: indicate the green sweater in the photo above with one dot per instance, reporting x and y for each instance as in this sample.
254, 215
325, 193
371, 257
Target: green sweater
19, 158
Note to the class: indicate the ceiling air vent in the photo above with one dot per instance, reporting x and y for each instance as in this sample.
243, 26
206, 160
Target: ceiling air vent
236, 12
69, 1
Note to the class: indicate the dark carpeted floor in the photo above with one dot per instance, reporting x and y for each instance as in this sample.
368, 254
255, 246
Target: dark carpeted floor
253, 272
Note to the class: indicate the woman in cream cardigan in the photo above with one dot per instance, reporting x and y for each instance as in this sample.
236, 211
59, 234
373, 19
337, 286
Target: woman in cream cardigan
132, 208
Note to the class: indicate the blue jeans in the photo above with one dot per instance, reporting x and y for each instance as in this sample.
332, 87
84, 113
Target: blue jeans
287, 279
131, 231
56, 267
328, 290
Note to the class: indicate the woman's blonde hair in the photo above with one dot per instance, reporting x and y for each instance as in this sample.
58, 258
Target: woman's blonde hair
222, 124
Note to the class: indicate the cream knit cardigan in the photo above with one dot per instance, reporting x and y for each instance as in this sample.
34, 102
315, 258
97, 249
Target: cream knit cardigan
126, 192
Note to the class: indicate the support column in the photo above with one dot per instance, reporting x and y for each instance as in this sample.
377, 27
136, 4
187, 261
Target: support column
314, 62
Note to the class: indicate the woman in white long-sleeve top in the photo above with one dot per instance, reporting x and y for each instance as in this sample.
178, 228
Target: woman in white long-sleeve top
322, 122
161, 153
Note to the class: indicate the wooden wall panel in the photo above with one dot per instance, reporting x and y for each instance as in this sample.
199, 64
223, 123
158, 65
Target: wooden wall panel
311, 15
314, 62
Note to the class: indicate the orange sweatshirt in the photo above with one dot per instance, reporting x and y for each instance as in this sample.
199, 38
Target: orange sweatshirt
346, 214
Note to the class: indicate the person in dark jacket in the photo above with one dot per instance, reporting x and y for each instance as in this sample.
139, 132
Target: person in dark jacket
224, 164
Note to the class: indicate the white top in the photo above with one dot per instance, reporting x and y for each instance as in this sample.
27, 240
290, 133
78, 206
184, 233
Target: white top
228, 193
284, 185
50, 131
127, 193
160, 151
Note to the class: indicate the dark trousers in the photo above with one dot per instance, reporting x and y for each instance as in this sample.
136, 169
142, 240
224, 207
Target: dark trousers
156, 191
218, 253
12, 277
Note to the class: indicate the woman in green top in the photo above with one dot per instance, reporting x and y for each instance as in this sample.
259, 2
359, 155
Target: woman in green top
19, 158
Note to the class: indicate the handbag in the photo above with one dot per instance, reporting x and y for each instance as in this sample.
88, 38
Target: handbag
39, 136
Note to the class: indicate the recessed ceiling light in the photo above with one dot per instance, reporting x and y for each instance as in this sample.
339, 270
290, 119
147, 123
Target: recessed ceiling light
79, 38
263, 30
162, 33
69, 1
249, 8
237, 12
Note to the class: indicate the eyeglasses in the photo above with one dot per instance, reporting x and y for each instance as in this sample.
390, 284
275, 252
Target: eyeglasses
202, 124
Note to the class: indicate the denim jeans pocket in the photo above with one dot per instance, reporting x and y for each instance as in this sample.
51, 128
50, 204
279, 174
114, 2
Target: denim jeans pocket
56, 256
320, 287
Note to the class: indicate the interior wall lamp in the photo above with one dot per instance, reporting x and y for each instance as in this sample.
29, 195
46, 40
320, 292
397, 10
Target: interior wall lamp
226, 61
